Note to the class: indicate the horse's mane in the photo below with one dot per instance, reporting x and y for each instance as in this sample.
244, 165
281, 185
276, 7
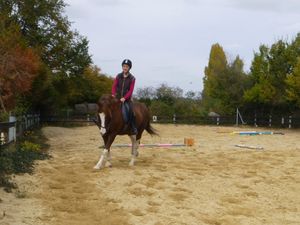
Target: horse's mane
109, 98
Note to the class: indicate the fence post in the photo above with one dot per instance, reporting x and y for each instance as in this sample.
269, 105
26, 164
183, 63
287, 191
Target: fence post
2, 139
26, 122
38, 120
290, 121
237, 117
174, 118
30, 120
255, 120
270, 120
12, 130
154, 118
282, 121
87, 119
218, 121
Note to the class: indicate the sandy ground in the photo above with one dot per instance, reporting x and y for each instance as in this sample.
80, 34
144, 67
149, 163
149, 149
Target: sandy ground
212, 183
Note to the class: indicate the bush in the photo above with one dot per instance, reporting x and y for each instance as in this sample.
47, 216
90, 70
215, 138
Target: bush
19, 158
24, 156
4, 117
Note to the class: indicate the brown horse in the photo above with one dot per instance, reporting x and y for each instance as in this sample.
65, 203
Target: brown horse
111, 123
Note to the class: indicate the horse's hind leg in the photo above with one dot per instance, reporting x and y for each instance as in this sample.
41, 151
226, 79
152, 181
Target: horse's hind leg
138, 142
108, 162
134, 152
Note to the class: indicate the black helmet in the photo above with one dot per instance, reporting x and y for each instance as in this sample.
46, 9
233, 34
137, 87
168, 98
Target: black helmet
127, 62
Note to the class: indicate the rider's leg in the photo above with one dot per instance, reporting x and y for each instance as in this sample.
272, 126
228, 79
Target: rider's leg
132, 119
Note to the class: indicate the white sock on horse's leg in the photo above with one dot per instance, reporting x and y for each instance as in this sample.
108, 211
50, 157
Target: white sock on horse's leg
108, 161
102, 160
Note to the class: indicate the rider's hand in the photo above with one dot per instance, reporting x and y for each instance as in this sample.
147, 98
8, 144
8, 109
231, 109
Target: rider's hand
122, 99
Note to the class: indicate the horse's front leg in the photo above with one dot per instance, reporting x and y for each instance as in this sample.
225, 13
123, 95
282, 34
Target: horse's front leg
106, 155
134, 149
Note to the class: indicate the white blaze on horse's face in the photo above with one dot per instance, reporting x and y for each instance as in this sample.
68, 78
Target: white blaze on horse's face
102, 118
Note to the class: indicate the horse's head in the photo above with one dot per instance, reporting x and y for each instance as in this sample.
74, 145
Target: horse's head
106, 105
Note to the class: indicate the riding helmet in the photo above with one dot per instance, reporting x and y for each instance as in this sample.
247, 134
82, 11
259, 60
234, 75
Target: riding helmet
127, 62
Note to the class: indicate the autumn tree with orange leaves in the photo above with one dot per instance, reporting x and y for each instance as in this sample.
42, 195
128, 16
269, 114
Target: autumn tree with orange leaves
19, 65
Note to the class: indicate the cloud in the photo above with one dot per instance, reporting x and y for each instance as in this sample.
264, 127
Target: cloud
82, 9
286, 6
170, 40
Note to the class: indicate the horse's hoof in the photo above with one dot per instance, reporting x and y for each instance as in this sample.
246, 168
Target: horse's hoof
96, 168
109, 165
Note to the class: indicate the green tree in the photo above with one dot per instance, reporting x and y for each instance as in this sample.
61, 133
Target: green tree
145, 95
168, 94
268, 76
223, 82
161, 109
293, 85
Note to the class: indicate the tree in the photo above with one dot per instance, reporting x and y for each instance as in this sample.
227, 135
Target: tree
217, 65
19, 65
235, 85
145, 95
261, 91
95, 84
223, 82
293, 85
63, 53
268, 76
168, 94
44, 26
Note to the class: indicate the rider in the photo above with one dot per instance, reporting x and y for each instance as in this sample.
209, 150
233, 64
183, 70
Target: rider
123, 87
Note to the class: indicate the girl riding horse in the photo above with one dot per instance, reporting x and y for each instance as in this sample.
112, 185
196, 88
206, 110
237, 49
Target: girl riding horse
122, 89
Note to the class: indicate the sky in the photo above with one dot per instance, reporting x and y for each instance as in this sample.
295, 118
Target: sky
169, 41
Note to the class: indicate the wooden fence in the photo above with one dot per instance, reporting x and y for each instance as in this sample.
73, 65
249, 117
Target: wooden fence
15, 127
256, 121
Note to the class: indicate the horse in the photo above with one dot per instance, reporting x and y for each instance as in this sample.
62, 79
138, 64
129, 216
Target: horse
111, 123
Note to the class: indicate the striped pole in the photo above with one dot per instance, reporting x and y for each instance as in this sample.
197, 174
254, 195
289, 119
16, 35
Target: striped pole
151, 145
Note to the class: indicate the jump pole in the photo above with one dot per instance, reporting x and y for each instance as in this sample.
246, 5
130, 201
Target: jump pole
188, 142
151, 145
257, 133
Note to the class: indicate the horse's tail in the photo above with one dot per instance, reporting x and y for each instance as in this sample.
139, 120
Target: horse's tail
150, 129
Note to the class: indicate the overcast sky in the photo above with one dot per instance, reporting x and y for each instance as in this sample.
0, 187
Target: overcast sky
169, 40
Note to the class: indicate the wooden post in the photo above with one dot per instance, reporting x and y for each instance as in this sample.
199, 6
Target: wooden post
12, 130
290, 122
2, 139
282, 121
270, 121
237, 117
154, 118
88, 119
